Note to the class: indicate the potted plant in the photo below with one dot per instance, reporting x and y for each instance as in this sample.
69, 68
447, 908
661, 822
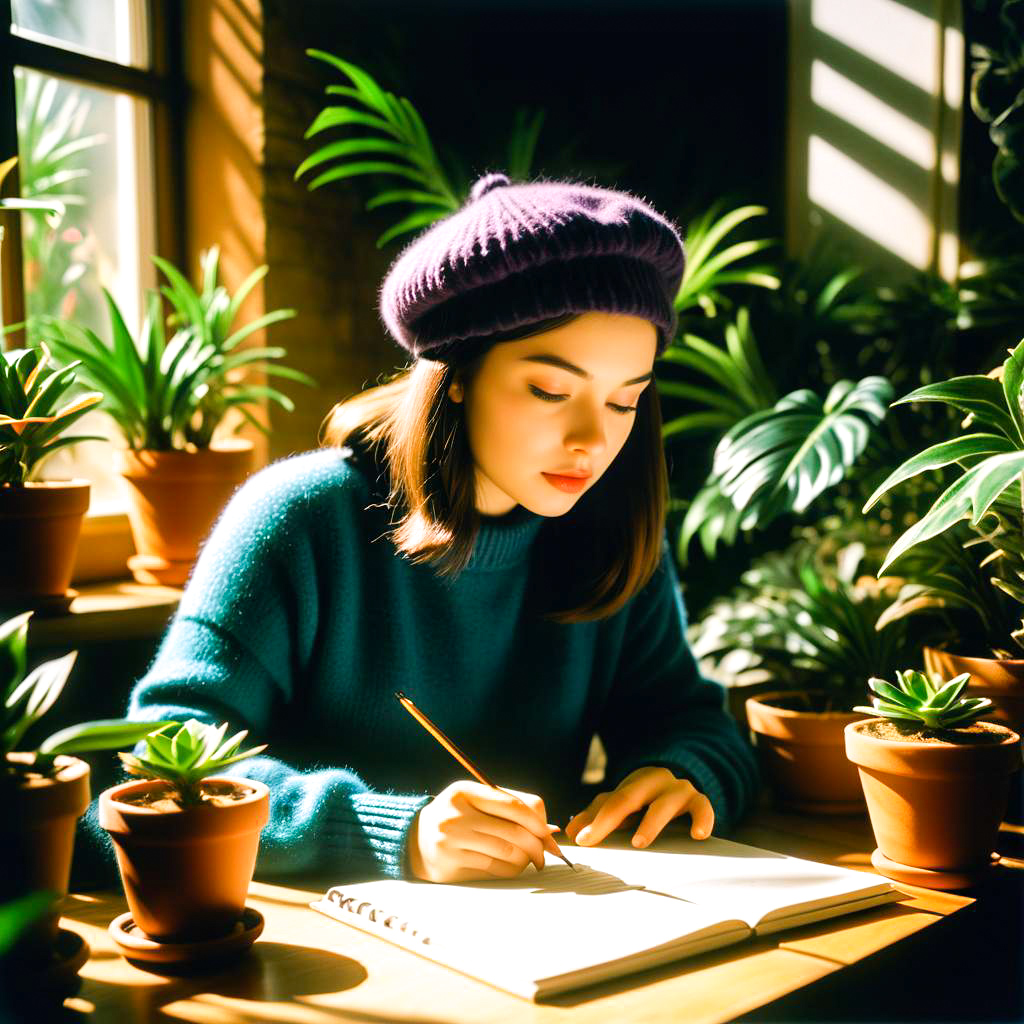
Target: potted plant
168, 397
981, 509
185, 837
40, 520
935, 777
42, 791
800, 628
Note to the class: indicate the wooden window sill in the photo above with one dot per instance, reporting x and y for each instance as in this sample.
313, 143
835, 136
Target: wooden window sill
106, 612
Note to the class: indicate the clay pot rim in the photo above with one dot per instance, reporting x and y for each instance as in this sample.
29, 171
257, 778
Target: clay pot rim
261, 790
973, 658
762, 700
75, 483
69, 767
1010, 739
229, 445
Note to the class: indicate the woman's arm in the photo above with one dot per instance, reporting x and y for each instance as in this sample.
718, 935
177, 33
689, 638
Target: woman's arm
241, 648
662, 712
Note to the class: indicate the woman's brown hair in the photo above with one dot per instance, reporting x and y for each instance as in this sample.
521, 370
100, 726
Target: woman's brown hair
589, 562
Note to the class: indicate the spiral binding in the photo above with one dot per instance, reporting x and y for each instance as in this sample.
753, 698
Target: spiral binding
365, 909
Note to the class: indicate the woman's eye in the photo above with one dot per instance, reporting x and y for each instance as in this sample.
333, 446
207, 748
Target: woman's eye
546, 396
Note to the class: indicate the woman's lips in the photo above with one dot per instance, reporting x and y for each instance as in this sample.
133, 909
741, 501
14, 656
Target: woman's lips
569, 484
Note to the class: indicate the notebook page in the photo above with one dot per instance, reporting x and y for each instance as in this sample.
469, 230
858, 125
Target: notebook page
739, 881
541, 925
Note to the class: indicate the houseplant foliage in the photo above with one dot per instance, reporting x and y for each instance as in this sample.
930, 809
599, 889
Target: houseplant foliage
798, 635
36, 407
186, 869
56, 143
39, 521
167, 396
935, 778
171, 394
983, 501
43, 790
997, 98
183, 756
779, 460
925, 700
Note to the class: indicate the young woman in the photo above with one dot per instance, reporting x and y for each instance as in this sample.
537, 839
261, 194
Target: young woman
487, 533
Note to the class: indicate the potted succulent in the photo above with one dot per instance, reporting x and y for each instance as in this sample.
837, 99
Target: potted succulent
935, 777
185, 837
42, 791
40, 520
799, 634
167, 397
980, 510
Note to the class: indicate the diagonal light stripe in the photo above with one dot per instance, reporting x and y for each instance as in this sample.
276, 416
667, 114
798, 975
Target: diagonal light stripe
865, 202
901, 40
836, 93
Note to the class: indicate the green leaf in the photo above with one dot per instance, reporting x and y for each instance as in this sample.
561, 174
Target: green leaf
13, 645
102, 734
977, 394
943, 454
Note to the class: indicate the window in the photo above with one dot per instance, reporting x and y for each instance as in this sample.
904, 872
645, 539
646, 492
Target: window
90, 93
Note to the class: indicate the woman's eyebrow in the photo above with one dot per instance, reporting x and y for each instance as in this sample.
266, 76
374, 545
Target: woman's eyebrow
553, 360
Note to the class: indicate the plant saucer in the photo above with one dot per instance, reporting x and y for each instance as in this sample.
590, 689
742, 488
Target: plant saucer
930, 878
54, 980
174, 957
45, 605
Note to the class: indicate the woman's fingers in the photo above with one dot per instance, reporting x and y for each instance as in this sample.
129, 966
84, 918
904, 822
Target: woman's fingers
669, 806
504, 841
579, 821
524, 809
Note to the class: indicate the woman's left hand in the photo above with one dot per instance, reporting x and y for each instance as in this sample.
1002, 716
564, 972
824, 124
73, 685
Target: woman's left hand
657, 789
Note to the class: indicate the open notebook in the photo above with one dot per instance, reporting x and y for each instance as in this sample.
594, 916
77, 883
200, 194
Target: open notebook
622, 910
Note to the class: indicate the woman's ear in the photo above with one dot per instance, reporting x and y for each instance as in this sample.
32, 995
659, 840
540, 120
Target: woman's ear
455, 392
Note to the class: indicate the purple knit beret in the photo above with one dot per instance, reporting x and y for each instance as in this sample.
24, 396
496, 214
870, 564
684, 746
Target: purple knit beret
515, 254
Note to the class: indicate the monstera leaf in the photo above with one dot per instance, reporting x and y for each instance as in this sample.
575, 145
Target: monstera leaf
779, 460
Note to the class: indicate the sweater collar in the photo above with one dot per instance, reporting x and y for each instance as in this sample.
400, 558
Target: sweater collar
503, 541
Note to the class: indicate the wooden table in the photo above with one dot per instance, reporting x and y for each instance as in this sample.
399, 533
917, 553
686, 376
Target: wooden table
307, 968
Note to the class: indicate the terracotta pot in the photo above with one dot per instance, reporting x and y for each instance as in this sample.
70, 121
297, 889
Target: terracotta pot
935, 808
803, 755
39, 528
37, 834
186, 873
999, 679
176, 497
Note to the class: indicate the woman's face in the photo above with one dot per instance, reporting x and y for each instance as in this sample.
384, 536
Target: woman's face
557, 404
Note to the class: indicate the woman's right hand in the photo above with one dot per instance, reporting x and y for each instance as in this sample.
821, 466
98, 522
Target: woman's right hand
470, 832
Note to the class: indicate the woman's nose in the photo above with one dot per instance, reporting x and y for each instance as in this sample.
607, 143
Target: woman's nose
587, 431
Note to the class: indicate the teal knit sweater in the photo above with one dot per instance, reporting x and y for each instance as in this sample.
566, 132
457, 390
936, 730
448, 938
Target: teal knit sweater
300, 621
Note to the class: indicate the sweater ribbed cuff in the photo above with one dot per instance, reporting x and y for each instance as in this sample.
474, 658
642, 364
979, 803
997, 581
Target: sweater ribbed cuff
367, 832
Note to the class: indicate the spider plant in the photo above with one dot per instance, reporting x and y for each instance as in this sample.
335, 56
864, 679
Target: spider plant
167, 394
34, 412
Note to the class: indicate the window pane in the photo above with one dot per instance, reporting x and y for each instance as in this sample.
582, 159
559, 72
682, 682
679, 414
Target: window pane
114, 30
90, 148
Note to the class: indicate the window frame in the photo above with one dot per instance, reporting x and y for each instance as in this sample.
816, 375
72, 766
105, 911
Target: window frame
162, 87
